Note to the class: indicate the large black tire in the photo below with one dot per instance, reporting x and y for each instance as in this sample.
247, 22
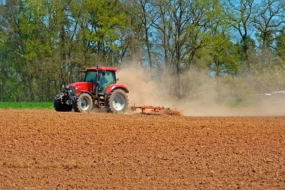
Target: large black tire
117, 101
58, 106
83, 103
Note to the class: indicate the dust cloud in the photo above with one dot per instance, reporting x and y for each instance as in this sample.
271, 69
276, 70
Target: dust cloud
198, 95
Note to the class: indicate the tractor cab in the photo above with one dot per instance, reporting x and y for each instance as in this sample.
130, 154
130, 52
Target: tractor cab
101, 79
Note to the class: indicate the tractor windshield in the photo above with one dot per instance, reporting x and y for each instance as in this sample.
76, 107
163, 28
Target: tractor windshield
90, 76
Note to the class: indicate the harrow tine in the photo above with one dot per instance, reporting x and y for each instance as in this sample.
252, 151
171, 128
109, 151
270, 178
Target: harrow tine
156, 109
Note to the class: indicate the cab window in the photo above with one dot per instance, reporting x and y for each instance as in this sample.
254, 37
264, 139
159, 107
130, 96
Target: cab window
90, 76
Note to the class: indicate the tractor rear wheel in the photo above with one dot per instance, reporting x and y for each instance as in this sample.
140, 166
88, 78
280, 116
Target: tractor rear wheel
117, 101
83, 103
58, 106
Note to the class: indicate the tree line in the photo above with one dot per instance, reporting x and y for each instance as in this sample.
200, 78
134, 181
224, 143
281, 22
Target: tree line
44, 43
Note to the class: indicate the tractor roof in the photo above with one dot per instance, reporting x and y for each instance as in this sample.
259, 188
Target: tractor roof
102, 69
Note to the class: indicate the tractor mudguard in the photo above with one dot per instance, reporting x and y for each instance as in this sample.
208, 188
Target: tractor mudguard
112, 87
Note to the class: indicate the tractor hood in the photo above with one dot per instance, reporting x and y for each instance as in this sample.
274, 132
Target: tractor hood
81, 87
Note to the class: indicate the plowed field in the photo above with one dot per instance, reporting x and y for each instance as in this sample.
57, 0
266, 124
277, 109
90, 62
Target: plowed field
42, 149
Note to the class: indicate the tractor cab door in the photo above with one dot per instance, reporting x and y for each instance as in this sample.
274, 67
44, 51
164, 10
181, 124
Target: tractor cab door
105, 79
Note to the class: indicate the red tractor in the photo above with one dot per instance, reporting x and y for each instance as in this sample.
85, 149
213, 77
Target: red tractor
99, 89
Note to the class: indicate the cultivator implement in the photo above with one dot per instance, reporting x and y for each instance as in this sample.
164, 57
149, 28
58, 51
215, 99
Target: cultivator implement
156, 110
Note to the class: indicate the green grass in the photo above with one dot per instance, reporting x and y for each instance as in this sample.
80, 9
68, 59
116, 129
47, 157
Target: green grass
26, 105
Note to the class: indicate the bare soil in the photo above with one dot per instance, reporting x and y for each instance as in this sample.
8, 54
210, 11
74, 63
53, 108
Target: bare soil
43, 149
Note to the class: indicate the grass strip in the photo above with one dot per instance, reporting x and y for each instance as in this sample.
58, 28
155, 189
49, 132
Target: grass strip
26, 105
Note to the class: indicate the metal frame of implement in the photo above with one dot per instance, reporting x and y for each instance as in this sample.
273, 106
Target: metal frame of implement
156, 109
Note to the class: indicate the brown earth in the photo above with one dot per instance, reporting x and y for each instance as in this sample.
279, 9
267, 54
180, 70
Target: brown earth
42, 149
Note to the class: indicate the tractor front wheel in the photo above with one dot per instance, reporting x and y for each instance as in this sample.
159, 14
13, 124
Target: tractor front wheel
83, 103
117, 101
59, 106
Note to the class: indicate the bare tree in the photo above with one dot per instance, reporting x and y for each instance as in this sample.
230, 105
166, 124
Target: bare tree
145, 9
240, 14
269, 21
